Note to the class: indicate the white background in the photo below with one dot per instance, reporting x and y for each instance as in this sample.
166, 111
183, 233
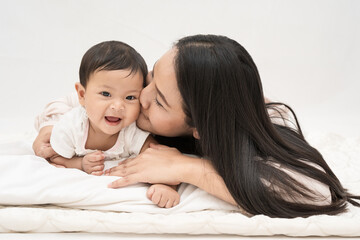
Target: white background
307, 51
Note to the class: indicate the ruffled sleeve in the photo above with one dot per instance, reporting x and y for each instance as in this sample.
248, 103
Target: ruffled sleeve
55, 109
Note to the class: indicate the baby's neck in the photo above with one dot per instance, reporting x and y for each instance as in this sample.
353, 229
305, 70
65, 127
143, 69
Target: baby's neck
98, 140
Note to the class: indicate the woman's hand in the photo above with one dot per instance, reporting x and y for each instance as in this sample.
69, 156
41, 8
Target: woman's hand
157, 164
41, 145
161, 164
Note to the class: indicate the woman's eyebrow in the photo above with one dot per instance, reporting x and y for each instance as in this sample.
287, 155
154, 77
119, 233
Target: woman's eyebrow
162, 96
158, 91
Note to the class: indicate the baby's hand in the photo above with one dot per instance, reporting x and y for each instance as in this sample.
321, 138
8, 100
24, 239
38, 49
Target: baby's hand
163, 195
93, 163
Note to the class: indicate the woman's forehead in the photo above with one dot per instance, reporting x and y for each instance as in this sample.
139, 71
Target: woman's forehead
166, 62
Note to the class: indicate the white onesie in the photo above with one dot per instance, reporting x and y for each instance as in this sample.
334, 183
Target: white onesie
69, 135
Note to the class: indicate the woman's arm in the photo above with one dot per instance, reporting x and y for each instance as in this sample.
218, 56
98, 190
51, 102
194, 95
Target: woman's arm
201, 173
161, 164
45, 121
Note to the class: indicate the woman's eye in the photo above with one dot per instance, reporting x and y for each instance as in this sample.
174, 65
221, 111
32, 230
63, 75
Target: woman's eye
130, 98
105, 94
158, 103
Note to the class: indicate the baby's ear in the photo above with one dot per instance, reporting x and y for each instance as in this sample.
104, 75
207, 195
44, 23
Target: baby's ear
81, 93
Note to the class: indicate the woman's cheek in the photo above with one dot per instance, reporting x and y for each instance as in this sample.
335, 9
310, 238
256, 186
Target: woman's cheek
154, 120
159, 123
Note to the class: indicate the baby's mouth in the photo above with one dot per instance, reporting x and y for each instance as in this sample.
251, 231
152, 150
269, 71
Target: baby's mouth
112, 119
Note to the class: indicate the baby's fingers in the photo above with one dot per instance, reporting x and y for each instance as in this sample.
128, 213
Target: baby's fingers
99, 167
95, 157
97, 173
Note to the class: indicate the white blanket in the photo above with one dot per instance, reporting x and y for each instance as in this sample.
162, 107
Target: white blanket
26, 179
37, 197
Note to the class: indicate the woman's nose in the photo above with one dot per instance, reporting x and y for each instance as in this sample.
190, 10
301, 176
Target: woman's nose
145, 97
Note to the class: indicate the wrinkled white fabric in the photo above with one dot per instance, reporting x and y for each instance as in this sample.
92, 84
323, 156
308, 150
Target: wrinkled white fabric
79, 202
26, 179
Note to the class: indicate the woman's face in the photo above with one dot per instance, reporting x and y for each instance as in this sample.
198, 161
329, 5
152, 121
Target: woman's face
161, 103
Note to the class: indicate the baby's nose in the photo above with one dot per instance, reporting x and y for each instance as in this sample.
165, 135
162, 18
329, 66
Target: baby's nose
118, 105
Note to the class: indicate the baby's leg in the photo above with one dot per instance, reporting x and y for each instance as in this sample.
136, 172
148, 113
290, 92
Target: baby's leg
164, 196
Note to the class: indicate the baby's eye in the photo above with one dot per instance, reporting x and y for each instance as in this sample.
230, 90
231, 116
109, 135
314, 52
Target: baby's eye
105, 94
130, 98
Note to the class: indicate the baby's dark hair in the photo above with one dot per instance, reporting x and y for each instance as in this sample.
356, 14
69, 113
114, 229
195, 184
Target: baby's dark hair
111, 55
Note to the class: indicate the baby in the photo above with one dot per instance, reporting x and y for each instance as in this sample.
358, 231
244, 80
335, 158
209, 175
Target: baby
102, 131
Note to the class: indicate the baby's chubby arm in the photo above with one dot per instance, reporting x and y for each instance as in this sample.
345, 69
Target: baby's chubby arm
44, 123
92, 163
60, 161
41, 144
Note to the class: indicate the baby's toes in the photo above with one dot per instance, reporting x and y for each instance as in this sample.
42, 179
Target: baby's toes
163, 202
170, 204
176, 201
156, 198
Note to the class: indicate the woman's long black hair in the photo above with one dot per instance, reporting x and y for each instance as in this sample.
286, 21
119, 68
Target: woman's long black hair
223, 98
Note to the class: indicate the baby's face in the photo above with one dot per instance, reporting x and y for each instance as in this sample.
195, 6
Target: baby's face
111, 99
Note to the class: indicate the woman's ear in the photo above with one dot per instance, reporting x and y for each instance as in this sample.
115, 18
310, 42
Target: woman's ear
195, 133
80, 92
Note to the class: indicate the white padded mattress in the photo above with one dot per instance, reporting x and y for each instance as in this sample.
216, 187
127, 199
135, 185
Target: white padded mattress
199, 212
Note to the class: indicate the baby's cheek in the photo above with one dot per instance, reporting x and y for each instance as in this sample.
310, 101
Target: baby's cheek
133, 114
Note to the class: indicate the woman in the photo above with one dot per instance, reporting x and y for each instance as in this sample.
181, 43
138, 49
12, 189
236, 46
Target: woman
207, 92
